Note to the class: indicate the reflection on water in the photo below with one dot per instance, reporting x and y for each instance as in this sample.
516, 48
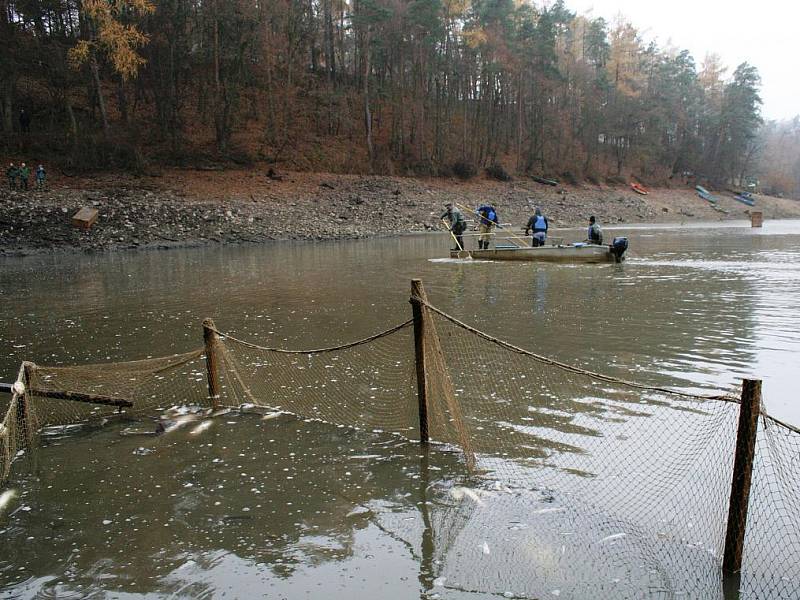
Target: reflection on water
291, 508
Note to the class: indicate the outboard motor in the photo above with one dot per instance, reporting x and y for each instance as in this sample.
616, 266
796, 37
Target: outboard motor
618, 247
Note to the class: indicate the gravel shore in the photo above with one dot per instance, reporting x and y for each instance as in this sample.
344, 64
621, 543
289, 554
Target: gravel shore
186, 208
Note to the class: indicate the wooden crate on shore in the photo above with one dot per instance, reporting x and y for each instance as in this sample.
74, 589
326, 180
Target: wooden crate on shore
85, 217
756, 219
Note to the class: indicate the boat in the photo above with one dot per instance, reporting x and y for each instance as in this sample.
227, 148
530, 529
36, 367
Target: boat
639, 189
745, 198
562, 253
705, 194
544, 180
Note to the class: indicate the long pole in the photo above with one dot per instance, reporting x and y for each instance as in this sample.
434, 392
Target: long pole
513, 237
742, 475
211, 339
453, 235
417, 294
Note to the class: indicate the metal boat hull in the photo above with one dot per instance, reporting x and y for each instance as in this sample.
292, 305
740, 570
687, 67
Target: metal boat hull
589, 253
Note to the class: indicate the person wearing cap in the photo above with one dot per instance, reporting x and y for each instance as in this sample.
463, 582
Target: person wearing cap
595, 234
457, 223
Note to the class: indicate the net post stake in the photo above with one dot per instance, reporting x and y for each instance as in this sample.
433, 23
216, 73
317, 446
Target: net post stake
742, 475
23, 410
417, 295
211, 339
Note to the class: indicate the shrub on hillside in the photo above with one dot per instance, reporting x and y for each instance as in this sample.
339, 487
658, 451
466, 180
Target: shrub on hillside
569, 177
498, 172
464, 170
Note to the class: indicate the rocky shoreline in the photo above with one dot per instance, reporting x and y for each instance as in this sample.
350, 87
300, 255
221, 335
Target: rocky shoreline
190, 208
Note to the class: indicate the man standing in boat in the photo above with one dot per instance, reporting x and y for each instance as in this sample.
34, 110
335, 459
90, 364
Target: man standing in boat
457, 224
537, 225
595, 234
488, 219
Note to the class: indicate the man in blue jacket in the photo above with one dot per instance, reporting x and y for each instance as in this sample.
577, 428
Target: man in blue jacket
488, 219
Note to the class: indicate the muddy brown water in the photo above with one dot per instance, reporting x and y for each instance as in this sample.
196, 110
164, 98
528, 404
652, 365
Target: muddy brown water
280, 508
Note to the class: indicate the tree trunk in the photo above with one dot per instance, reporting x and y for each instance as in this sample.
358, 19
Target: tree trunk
367, 114
101, 102
8, 108
73, 123
330, 52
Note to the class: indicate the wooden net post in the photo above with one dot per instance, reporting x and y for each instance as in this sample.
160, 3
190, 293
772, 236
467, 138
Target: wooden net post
211, 339
742, 475
24, 421
417, 294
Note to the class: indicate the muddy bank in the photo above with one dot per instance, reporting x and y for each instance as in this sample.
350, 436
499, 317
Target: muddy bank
180, 208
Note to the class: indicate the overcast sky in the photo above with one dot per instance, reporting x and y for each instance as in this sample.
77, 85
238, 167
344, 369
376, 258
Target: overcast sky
765, 33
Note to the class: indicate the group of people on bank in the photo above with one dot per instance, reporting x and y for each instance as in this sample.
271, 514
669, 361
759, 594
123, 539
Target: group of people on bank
486, 214
19, 175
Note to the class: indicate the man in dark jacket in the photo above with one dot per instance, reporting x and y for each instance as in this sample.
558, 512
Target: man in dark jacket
24, 121
457, 223
24, 175
594, 234
537, 225
11, 173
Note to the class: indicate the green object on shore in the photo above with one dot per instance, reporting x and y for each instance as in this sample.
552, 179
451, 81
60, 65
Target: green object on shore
544, 180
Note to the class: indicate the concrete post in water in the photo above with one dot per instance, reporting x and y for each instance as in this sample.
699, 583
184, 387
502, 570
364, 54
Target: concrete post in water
756, 219
211, 339
417, 294
742, 475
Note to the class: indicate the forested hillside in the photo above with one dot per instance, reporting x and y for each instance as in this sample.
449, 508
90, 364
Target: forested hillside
418, 87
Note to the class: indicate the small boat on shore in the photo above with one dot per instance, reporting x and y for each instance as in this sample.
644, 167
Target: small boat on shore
544, 180
639, 189
561, 253
745, 198
705, 194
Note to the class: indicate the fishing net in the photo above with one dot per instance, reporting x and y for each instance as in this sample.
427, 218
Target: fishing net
62, 396
562, 466
772, 541
367, 385
641, 454
12, 411
67, 397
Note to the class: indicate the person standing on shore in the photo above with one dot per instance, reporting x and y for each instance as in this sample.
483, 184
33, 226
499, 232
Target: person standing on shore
537, 225
24, 175
488, 220
24, 121
40, 177
595, 234
11, 174
457, 223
